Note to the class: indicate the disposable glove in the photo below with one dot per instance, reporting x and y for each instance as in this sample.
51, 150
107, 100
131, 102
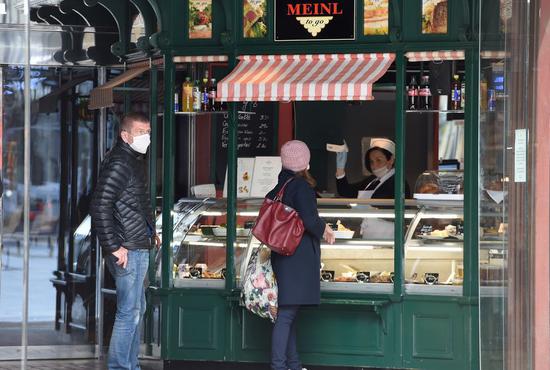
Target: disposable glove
341, 159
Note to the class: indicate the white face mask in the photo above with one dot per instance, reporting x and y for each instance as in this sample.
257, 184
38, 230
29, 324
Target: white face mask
141, 143
380, 172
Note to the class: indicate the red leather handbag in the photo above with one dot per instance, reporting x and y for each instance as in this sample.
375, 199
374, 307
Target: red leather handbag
279, 226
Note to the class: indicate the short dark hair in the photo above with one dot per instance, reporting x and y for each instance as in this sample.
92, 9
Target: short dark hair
386, 153
130, 118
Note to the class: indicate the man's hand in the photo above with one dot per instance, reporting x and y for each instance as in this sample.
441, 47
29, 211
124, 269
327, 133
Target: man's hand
122, 255
157, 241
328, 235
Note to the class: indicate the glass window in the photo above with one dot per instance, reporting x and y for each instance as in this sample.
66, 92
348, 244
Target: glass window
357, 260
435, 167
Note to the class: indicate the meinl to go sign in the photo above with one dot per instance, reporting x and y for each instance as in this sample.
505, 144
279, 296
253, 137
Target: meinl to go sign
310, 20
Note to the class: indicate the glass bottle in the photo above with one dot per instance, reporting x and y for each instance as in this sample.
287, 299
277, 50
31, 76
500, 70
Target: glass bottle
187, 95
196, 97
176, 102
205, 101
424, 93
412, 94
455, 93
462, 94
212, 101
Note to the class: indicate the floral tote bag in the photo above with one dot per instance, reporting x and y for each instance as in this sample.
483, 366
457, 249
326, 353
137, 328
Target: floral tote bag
259, 290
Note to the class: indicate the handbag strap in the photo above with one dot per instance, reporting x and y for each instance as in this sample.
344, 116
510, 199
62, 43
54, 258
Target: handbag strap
280, 193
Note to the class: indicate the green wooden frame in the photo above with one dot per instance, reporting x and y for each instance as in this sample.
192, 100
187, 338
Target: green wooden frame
397, 310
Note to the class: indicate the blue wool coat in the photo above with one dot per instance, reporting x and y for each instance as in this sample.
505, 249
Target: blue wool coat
298, 275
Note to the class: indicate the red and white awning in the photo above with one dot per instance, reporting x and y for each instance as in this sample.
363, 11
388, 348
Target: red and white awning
430, 56
494, 54
304, 77
200, 58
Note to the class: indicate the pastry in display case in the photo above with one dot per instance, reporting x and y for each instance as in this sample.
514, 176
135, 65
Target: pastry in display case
355, 262
434, 251
433, 233
199, 240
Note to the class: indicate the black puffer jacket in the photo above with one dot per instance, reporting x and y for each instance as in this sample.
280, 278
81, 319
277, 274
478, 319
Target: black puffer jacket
121, 208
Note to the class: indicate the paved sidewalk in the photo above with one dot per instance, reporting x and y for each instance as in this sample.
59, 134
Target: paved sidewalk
73, 365
146, 364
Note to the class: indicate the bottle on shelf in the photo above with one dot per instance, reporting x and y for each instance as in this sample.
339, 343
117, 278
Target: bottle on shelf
176, 102
463, 94
197, 97
424, 93
205, 101
412, 94
455, 93
212, 101
187, 95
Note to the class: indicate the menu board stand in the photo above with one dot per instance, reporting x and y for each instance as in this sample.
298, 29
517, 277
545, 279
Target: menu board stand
255, 136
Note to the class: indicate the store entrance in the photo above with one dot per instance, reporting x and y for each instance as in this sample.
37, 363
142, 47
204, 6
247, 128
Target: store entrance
62, 290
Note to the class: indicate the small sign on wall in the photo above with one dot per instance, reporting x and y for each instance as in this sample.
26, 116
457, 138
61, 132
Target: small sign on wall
200, 19
254, 18
520, 156
375, 17
434, 16
309, 20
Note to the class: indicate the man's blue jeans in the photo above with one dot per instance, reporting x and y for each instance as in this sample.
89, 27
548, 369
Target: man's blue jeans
130, 299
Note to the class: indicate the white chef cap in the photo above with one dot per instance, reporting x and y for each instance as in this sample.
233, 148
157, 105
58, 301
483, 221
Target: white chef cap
383, 143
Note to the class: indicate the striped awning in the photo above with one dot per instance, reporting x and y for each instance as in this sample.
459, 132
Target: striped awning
430, 56
102, 96
494, 54
304, 77
200, 59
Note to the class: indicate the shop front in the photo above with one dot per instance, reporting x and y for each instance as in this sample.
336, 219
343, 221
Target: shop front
325, 73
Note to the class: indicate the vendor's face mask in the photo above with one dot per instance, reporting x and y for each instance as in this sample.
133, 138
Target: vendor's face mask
380, 172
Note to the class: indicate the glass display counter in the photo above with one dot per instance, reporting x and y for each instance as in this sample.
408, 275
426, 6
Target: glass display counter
433, 235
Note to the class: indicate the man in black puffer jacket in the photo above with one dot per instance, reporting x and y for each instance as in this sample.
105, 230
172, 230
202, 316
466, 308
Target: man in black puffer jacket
122, 218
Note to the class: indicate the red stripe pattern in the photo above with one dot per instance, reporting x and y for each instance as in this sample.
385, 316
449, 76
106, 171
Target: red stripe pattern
304, 77
429, 56
200, 58
494, 54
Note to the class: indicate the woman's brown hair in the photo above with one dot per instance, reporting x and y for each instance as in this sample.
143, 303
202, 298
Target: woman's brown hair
307, 176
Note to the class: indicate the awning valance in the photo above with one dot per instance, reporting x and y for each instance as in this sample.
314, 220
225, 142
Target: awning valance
430, 56
494, 54
102, 96
200, 58
304, 77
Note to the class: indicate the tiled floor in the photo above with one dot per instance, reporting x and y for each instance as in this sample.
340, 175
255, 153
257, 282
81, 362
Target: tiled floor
72, 365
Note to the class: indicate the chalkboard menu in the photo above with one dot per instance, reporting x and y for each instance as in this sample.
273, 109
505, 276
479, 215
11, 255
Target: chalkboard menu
255, 135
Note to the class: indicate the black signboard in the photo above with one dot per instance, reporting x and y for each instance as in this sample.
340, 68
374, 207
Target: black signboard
314, 20
255, 135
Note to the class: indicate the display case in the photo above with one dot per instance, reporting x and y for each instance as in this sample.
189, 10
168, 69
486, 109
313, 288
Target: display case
433, 235
198, 249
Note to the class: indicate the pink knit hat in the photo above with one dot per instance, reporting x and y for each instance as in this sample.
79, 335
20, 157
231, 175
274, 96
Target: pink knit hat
295, 155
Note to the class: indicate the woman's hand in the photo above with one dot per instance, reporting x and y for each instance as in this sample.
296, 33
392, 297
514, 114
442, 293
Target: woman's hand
328, 235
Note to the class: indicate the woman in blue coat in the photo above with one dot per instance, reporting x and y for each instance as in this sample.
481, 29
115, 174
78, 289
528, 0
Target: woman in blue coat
297, 275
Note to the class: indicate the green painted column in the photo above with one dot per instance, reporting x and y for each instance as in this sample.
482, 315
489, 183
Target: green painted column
399, 200
153, 118
231, 198
153, 103
168, 170
471, 199
471, 176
